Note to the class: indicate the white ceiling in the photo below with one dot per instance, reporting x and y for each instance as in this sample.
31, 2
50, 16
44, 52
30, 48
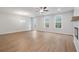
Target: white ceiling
33, 11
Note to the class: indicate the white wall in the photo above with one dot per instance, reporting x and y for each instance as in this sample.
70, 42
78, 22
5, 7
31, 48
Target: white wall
76, 11
13, 23
66, 23
76, 24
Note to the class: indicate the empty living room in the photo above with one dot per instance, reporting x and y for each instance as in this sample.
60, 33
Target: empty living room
39, 29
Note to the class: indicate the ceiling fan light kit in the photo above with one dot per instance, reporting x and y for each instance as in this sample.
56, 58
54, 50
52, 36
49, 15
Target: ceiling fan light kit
43, 9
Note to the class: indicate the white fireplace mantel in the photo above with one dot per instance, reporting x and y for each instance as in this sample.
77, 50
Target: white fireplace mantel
76, 41
75, 21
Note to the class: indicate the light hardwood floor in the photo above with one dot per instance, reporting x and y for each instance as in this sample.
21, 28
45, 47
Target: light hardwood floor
33, 41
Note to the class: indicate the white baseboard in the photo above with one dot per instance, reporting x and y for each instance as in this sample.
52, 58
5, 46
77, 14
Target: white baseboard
57, 33
13, 32
32, 30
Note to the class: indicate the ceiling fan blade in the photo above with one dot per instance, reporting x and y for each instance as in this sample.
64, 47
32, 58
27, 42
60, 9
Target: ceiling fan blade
45, 10
45, 7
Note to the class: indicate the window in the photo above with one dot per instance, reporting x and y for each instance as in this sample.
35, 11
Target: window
46, 22
58, 22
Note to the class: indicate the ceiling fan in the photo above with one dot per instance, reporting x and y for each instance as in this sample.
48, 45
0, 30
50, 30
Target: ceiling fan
43, 9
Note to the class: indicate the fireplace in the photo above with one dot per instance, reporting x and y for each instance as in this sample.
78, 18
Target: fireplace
76, 32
